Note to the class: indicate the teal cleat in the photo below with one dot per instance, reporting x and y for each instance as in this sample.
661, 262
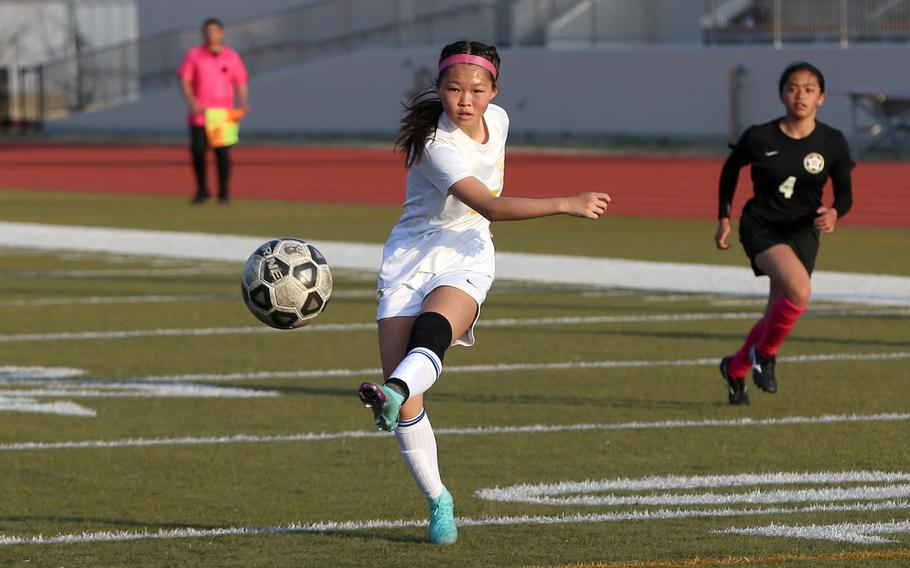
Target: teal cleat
443, 529
384, 402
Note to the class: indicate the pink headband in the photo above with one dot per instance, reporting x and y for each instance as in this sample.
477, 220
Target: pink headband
472, 59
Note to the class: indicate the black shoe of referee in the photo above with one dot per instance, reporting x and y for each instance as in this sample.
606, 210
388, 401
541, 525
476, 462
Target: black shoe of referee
736, 386
763, 371
199, 199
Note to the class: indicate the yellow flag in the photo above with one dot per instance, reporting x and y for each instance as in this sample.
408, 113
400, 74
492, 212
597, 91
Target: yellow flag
221, 127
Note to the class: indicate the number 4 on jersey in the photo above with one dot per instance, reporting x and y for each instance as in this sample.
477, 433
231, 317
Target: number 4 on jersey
787, 187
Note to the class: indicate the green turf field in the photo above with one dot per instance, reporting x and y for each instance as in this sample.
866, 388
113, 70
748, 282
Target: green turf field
209, 440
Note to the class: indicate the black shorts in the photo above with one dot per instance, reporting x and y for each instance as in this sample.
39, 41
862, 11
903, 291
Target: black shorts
757, 236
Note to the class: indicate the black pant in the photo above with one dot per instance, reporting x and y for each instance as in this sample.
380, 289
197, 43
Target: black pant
199, 145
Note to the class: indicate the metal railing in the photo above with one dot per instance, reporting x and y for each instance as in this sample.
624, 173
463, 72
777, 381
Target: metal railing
787, 21
293, 36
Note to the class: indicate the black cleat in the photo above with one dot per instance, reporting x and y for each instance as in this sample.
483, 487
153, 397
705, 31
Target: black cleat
763, 371
199, 199
736, 386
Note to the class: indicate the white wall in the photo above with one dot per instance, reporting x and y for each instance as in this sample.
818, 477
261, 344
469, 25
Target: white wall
157, 16
679, 92
107, 22
629, 21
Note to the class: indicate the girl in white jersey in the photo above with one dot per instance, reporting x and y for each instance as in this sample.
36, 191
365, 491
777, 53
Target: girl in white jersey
438, 261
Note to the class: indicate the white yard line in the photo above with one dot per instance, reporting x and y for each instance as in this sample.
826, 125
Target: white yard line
11, 373
154, 299
479, 431
857, 533
20, 387
32, 406
647, 275
511, 367
330, 527
133, 390
105, 300
121, 272
669, 482
503, 322
579, 493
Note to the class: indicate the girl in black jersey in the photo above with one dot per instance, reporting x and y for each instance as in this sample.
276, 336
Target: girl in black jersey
791, 158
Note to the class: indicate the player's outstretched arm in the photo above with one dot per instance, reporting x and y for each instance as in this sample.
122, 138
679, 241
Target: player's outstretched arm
476, 195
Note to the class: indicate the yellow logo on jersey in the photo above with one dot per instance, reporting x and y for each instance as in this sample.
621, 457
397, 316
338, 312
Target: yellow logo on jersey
501, 168
814, 163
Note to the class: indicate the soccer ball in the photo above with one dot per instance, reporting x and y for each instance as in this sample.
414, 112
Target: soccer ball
286, 283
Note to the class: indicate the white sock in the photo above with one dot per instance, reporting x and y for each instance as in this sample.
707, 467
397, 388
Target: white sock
419, 370
418, 448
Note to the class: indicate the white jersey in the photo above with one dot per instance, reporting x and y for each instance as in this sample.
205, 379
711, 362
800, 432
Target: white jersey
437, 232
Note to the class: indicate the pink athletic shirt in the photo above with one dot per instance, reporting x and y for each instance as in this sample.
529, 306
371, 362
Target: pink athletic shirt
214, 76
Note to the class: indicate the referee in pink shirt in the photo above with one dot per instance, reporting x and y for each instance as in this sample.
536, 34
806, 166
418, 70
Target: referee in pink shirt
209, 75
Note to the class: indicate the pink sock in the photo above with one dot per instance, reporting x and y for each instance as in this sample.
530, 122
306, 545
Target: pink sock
779, 324
740, 363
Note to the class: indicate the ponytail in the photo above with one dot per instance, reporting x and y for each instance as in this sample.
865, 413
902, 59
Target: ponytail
418, 124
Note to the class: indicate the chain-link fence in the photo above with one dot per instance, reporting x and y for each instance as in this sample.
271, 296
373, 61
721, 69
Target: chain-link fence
789, 21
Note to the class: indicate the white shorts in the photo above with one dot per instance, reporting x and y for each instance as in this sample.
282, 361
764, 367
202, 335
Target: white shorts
406, 299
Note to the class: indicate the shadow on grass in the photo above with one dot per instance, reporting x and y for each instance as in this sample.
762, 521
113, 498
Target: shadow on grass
387, 537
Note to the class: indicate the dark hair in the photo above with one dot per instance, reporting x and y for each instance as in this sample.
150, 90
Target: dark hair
800, 66
422, 112
210, 21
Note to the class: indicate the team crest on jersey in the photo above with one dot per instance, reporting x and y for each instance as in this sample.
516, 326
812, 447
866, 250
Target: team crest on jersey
814, 163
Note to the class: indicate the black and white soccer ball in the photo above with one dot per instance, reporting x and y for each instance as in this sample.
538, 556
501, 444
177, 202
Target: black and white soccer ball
286, 283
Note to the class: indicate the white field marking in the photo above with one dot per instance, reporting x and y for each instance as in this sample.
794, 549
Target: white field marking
741, 302
153, 298
11, 373
667, 482
857, 533
54, 383
479, 431
726, 300
504, 322
102, 300
511, 367
31, 406
674, 277
551, 493
185, 332
331, 527
757, 497
70, 256
660, 298
134, 390
140, 272
606, 293
579, 493
56, 377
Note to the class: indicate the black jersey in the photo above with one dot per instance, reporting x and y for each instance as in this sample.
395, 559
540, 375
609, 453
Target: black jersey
788, 174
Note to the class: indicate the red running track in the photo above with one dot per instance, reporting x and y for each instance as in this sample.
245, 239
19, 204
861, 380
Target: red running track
641, 186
